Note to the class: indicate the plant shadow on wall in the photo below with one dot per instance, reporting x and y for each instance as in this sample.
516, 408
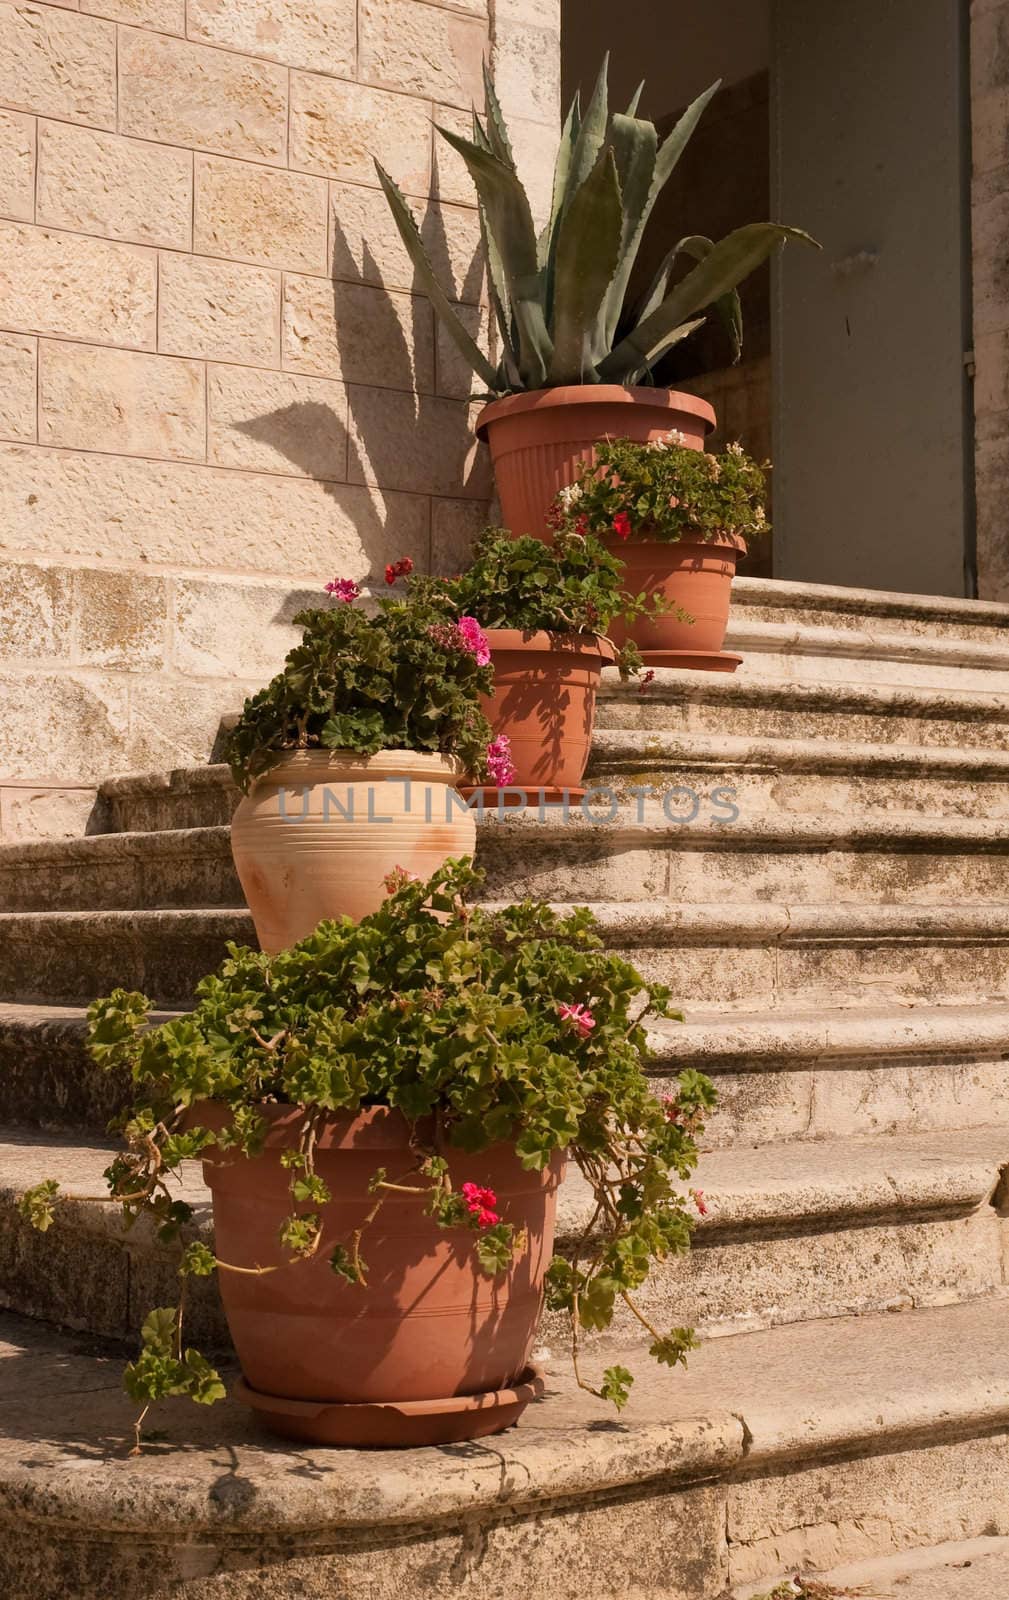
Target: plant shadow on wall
408, 428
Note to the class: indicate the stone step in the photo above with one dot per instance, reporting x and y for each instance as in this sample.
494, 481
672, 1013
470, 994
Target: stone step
804, 776
751, 706
772, 955
790, 1450
793, 1232
610, 852
781, 1076
859, 610
868, 655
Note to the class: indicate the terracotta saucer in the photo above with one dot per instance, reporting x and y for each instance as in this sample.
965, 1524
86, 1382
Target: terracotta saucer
695, 660
398, 1424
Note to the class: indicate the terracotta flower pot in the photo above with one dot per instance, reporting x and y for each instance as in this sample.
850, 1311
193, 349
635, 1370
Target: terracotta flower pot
544, 700
696, 576
321, 830
540, 439
433, 1349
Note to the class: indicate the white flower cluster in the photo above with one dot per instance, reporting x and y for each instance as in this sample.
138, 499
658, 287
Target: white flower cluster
674, 436
570, 494
735, 448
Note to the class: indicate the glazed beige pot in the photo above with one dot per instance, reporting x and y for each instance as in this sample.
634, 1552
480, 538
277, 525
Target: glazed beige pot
322, 829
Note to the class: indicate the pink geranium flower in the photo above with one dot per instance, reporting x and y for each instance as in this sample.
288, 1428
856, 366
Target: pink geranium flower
697, 1195
398, 569
344, 589
473, 639
481, 1204
500, 767
579, 1017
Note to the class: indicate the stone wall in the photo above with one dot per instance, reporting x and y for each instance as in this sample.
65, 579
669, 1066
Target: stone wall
218, 387
990, 244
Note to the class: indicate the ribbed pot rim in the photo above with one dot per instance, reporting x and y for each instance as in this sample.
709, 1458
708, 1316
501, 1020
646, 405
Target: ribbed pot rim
720, 541
582, 394
328, 765
542, 642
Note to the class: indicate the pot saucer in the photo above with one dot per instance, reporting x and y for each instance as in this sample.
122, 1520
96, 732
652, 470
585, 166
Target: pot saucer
694, 660
395, 1424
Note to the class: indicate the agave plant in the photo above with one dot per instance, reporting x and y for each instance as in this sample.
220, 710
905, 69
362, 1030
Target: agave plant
561, 300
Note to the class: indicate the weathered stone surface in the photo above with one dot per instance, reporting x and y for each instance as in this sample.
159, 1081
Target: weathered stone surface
276, 422
527, 74
450, 177
94, 398
960, 1569
259, 632
456, 379
822, 604
84, 288
302, 33
367, 245
535, 150
219, 310
989, 236
17, 166
167, 16
121, 188
188, 94
340, 129
355, 332
18, 381
69, 958
182, 515
195, 797
405, 44
36, 621
419, 444
259, 214
58, 64
77, 723
454, 526
121, 619
35, 811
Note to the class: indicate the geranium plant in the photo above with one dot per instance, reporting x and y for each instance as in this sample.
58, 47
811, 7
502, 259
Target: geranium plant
572, 585
392, 678
665, 491
482, 1027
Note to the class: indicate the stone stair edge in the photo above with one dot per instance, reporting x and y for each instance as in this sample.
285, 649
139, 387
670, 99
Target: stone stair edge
778, 1187
677, 684
785, 1400
794, 594
810, 639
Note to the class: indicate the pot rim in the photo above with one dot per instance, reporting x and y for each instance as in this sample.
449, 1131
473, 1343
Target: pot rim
581, 394
328, 765
542, 641
719, 541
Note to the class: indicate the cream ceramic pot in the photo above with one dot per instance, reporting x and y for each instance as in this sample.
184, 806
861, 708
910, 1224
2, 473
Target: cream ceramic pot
322, 829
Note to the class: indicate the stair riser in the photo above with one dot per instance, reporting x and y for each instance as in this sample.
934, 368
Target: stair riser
146, 812
852, 1100
811, 974
827, 722
798, 664
578, 863
62, 965
732, 1281
798, 793
623, 869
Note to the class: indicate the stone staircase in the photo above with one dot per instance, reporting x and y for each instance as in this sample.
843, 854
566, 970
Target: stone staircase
839, 947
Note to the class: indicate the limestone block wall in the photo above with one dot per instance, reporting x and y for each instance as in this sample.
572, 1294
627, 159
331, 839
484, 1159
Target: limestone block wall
990, 243
218, 386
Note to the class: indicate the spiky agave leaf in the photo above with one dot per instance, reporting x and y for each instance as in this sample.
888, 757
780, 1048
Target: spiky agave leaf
726, 265
588, 250
510, 225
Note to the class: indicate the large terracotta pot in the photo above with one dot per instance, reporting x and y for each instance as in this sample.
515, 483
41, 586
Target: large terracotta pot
697, 577
544, 699
433, 1349
321, 830
539, 440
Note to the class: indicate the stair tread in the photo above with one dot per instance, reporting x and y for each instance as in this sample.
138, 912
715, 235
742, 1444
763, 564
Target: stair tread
802, 1391
797, 1182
